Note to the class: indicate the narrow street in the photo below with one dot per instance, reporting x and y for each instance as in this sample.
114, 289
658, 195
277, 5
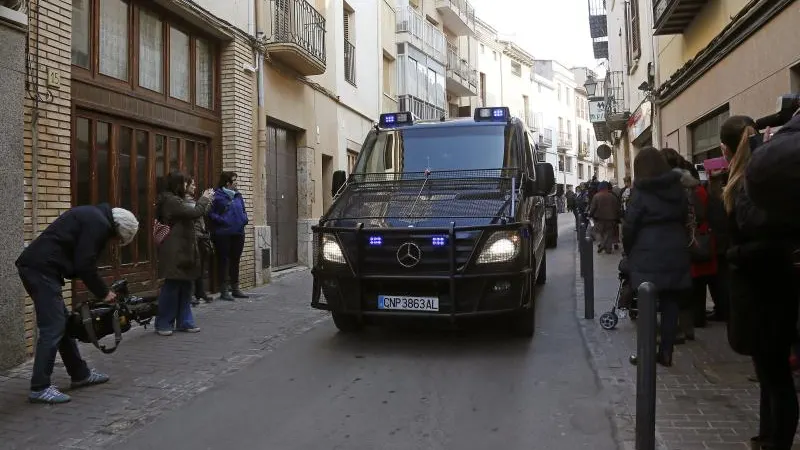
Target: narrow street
270, 373
408, 389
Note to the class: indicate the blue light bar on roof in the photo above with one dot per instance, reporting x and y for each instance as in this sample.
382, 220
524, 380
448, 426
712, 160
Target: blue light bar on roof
496, 114
396, 119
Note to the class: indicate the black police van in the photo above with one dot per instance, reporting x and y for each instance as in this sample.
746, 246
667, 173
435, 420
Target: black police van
551, 222
441, 219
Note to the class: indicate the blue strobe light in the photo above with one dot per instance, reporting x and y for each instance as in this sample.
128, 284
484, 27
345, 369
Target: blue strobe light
375, 241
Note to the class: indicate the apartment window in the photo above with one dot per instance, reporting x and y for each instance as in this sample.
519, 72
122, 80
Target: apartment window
516, 68
705, 136
483, 49
560, 124
130, 45
634, 35
151, 52
483, 89
569, 127
349, 45
114, 39
580, 171
351, 160
559, 91
81, 14
567, 96
568, 163
561, 163
388, 76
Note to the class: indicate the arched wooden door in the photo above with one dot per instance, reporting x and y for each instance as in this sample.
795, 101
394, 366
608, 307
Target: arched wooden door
124, 163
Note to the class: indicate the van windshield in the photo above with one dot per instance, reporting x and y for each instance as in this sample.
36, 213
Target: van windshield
434, 148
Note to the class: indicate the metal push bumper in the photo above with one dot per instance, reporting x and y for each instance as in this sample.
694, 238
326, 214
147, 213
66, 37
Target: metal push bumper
462, 291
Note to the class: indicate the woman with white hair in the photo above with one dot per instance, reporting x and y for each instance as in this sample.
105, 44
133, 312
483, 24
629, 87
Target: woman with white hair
69, 248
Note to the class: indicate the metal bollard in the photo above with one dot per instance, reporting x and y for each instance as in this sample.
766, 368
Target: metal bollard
646, 367
588, 278
581, 236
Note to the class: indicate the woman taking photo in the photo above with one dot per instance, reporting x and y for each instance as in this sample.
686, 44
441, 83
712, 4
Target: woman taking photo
654, 237
228, 219
763, 301
178, 255
203, 243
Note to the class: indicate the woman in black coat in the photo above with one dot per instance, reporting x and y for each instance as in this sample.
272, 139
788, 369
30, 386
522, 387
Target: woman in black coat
763, 301
655, 239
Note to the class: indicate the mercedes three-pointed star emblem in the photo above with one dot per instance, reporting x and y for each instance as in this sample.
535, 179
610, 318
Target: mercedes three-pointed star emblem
409, 254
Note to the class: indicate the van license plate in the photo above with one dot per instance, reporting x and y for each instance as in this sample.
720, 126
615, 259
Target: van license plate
404, 303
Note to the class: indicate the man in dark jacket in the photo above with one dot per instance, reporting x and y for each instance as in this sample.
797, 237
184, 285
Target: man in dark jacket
68, 249
605, 210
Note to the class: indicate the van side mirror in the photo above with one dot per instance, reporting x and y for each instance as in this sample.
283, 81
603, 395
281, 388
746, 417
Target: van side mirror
545, 179
339, 178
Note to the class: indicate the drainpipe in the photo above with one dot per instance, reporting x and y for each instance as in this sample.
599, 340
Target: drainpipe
261, 118
656, 111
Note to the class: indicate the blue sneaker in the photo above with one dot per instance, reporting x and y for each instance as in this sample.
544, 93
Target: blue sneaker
51, 396
94, 377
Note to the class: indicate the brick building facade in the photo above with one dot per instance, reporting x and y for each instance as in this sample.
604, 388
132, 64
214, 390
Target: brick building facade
100, 127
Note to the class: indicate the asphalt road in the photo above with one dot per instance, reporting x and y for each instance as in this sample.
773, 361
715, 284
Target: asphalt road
408, 388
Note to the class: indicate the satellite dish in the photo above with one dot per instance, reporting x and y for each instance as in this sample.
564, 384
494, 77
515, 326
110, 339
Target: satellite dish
604, 151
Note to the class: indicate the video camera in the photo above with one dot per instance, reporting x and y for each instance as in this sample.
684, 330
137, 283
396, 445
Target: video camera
788, 105
93, 320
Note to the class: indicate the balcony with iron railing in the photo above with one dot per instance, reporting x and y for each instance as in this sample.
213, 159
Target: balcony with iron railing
458, 16
411, 27
583, 151
675, 16
462, 79
546, 138
598, 19
617, 113
421, 109
298, 36
349, 62
564, 141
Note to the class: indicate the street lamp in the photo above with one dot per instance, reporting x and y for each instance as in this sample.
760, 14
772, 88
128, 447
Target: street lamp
590, 85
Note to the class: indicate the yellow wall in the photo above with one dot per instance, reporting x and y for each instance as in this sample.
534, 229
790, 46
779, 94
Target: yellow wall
675, 51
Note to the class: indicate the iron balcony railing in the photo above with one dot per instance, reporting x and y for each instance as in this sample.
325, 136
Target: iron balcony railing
460, 66
298, 22
424, 35
546, 138
421, 109
564, 140
598, 20
614, 90
349, 62
464, 8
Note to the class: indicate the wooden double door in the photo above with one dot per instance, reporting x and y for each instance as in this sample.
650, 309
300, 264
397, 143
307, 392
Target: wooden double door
282, 210
125, 164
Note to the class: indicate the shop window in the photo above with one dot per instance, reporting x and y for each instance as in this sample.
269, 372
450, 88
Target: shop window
705, 136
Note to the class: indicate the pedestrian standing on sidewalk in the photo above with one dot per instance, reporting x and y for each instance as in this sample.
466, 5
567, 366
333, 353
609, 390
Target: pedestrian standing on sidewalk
228, 219
605, 209
654, 239
178, 255
763, 301
68, 248
717, 218
203, 243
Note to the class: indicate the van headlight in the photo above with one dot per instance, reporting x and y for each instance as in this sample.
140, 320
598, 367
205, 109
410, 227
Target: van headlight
332, 251
502, 246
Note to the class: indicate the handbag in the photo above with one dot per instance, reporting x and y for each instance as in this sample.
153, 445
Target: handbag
700, 247
160, 231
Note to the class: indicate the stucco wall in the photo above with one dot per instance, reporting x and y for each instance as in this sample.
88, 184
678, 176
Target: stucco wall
12, 91
750, 79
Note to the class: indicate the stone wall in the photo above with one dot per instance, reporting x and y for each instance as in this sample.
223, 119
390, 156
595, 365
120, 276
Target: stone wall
238, 146
12, 91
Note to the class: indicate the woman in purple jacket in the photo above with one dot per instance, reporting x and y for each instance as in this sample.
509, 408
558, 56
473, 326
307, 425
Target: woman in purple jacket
228, 219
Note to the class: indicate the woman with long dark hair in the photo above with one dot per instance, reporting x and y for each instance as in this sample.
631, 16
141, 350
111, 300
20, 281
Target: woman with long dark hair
228, 219
763, 301
654, 238
178, 255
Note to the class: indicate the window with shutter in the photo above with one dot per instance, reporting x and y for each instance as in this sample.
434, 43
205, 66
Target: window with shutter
633, 32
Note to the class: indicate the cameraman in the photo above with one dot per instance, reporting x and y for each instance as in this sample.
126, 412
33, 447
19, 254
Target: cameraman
763, 308
68, 248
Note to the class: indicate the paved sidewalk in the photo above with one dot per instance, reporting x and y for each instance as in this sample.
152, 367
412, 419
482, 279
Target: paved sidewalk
705, 401
151, 374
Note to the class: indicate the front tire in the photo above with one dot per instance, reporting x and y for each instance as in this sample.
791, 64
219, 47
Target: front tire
347, 323
523, 322
551, 241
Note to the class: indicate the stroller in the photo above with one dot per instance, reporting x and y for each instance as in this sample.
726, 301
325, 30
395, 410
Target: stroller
625, 303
